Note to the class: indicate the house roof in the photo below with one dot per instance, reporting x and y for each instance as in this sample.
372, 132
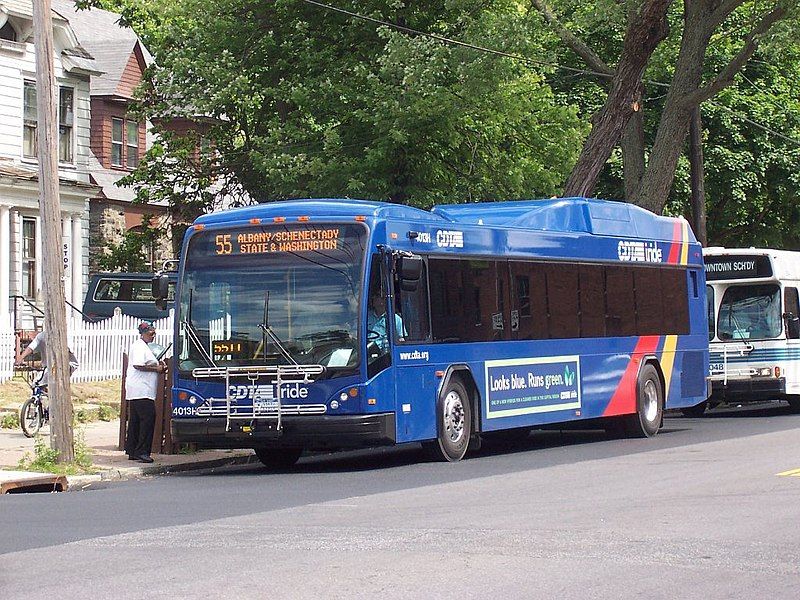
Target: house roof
107, 179
111, 44
14, 171
23, 8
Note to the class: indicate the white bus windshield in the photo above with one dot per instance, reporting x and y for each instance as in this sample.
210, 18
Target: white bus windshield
750, 312
272, 295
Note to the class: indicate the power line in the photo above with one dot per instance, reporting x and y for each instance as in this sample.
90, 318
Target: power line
524, 59
454, 42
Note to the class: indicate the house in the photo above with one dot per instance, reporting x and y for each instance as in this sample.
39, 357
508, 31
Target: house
118, 140
20, 223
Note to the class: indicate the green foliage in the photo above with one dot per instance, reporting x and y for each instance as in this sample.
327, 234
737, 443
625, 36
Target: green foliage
45, 459
751, 145
106, 412
131, 254
302, 102
82, 415
9, 420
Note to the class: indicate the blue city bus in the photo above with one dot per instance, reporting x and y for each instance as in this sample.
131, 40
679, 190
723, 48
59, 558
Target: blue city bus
333, 324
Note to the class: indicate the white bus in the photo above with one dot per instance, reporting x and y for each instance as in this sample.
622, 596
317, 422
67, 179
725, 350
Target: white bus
753, 326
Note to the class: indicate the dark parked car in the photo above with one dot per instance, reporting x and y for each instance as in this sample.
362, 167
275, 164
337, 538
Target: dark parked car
132, 292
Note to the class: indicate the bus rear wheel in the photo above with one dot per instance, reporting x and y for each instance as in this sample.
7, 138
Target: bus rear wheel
646, 421
277, 459
454, 420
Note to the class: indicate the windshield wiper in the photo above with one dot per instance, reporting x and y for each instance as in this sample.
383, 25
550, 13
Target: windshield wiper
191, 333
264, 326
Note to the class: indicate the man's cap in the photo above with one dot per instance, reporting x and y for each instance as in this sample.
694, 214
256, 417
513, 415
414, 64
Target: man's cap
145, 326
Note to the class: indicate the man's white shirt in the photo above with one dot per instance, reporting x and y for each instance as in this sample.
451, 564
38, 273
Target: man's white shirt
140, 384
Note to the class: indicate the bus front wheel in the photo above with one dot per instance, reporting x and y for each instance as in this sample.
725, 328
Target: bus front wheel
278, 458
646, 421
454, 421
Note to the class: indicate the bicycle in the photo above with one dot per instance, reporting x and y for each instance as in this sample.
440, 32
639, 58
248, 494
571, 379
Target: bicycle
35, 411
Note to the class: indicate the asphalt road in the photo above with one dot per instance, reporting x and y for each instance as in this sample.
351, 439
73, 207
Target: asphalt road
699, 511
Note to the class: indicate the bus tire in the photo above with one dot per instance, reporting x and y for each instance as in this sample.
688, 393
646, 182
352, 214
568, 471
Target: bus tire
695, 411
454, 423
277, 459
646, 421
31, 417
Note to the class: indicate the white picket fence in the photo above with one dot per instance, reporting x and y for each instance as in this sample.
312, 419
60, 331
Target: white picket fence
97, 346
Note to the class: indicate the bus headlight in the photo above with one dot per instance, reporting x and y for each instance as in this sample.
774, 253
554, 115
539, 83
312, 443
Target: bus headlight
334, 404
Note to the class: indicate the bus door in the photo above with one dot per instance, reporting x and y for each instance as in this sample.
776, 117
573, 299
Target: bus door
791, 319
415, 387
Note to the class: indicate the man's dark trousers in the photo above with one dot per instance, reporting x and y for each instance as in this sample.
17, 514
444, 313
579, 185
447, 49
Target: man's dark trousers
141, 420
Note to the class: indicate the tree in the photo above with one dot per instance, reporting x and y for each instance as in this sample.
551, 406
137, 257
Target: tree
687, 91
303, 102
646, 27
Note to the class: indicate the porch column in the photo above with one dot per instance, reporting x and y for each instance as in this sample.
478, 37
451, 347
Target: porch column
5, 264
66, 257
77, 261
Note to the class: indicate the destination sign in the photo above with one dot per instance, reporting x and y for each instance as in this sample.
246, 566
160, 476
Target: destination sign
277, 241
234, 348
739, 266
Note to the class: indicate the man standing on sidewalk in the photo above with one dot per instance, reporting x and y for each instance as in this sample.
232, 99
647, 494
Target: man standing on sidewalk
141, 384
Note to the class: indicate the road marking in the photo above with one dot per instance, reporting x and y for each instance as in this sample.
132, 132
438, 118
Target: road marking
791, 473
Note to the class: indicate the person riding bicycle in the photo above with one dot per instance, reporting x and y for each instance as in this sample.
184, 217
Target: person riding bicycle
39, 344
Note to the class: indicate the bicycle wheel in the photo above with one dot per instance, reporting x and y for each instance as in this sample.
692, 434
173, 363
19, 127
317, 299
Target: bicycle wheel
31, 417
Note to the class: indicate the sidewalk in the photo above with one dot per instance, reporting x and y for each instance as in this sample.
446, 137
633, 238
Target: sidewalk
102, 438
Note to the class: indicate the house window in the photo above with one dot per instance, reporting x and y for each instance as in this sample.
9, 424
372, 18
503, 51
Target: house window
7, 32
29, 258
66, 122
29, 120
116, 142
132, 144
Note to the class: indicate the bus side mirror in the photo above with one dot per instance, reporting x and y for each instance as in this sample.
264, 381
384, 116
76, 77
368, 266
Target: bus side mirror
792, 326
409, 269
160, 287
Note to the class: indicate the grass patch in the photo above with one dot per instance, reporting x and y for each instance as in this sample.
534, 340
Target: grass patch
92, 401
107, 412
15, 391
44, 459
10, 420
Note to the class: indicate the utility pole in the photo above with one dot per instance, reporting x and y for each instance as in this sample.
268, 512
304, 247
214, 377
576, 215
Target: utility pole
697, 176
55, 318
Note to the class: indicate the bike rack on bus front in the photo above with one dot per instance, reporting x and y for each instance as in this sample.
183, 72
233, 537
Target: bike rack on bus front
258, 409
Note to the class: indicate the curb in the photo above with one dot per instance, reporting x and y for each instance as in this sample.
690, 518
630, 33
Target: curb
80, 482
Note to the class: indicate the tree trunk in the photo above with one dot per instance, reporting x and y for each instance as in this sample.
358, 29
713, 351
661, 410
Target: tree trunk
633, 152
61, 436
644, 34
660, 172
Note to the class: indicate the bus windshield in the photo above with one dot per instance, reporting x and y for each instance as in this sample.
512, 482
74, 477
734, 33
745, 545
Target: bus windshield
272, 295
750, 312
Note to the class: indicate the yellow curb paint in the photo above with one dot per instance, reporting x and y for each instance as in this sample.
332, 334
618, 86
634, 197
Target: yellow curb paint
791, 473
